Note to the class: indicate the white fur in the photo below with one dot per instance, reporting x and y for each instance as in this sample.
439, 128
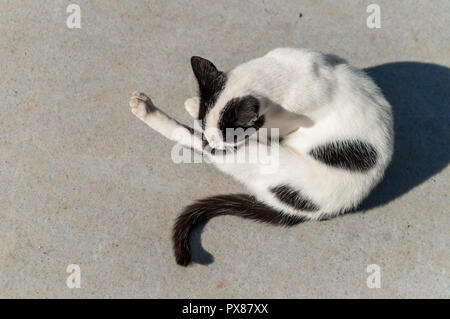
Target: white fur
192, 106
313, 99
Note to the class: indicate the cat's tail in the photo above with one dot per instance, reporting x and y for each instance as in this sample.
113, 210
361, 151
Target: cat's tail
241, 205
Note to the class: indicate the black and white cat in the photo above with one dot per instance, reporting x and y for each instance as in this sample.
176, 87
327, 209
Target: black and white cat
335, 137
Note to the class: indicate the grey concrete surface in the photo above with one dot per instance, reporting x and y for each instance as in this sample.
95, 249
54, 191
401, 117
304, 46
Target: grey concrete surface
82, 181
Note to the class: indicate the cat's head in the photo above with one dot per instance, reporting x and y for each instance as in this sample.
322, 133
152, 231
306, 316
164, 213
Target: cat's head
228, 114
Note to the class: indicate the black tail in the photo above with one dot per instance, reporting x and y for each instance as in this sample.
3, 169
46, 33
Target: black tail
235, 204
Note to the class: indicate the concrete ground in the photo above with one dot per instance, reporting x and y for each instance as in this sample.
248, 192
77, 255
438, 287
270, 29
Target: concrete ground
84, 182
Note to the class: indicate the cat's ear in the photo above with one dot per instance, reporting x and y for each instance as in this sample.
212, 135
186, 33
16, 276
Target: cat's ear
247, 111
204, 71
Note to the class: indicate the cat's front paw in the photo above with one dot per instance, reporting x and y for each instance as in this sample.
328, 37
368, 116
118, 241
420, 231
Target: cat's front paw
141, 105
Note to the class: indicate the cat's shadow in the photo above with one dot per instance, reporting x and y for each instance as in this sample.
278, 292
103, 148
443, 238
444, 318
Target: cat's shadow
420, 97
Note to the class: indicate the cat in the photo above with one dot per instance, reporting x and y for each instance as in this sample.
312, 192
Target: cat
334, 143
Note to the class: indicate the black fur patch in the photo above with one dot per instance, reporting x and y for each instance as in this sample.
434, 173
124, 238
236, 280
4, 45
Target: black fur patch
211, 82
240, 113
294, 198
354, 155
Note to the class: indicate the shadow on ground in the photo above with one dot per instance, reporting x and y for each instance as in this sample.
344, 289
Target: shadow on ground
420, 97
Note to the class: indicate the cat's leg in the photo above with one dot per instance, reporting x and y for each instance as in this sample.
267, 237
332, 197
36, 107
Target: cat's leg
143, 107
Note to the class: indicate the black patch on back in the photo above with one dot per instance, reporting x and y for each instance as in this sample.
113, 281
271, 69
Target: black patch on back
353, 155
293, 198
240, 113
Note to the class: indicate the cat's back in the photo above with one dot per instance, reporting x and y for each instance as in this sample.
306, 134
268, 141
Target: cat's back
281, 63
295, 56
340, 99
294, 78
343, 102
